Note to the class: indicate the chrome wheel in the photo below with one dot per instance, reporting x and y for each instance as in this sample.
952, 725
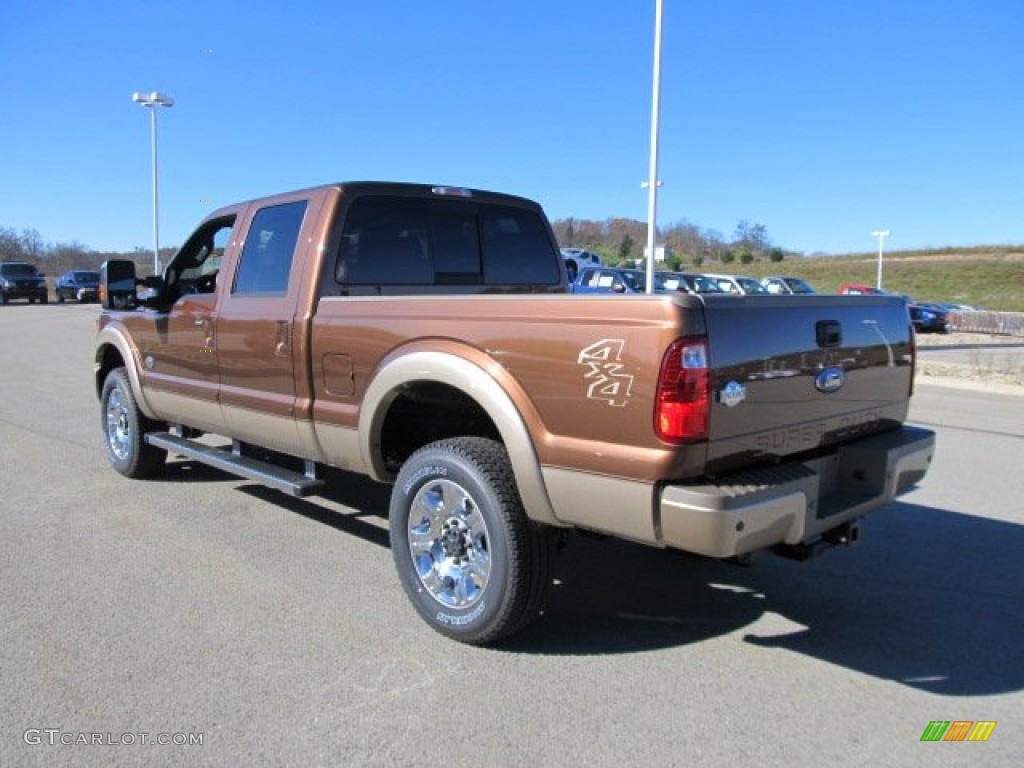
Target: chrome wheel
124, 429
119, 429
449, 544
472, 563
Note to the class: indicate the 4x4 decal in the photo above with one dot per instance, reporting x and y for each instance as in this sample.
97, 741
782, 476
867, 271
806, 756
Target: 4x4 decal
602, 361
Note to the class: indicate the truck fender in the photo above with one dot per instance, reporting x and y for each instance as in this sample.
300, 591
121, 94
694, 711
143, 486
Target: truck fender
113, 337
476, 383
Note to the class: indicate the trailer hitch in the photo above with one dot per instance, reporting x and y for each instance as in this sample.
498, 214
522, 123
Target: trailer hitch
845, 535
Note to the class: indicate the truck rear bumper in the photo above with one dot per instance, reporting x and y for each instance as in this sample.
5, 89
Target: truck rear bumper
793, 503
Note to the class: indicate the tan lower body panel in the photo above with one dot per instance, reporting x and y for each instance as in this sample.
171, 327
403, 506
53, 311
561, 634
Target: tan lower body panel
277, 433
205, 415
611, 505
750, 510
341, 447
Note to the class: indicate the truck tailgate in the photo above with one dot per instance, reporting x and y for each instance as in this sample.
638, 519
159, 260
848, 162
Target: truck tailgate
792, 374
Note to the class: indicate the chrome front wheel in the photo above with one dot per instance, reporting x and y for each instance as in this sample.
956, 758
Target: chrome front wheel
124, 428
119, 430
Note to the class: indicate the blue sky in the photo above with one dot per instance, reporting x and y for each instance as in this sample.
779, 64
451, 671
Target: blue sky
821, 119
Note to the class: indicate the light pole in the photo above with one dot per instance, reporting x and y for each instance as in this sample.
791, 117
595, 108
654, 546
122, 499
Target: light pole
881, 234
652, 182
154, 100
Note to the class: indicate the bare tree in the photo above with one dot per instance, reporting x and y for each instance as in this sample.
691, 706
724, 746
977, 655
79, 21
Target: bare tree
10, 245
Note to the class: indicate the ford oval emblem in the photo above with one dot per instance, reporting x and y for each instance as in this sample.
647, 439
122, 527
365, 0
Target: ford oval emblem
830, 380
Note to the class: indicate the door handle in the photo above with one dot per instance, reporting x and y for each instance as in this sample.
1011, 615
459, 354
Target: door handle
199, 322
283, 338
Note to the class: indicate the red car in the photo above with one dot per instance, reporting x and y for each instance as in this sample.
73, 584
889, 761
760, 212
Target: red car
861, 289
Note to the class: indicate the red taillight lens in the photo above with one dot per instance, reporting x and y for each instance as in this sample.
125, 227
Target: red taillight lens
682, 401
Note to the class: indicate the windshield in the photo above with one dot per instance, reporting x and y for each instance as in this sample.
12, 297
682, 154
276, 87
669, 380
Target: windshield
87, 277
749, 285
704, 284
663, 282
18, 270
680, 281
796, 285
634, 279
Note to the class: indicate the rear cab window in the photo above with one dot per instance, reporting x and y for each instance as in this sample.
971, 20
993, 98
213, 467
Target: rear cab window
395, 244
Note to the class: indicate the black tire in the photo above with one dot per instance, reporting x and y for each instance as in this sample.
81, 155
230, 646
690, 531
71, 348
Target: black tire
44, 299
474, 566
124, 429
60, 297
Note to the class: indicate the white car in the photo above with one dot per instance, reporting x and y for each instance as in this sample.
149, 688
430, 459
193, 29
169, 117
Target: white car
784, 285
738, 284
576, 259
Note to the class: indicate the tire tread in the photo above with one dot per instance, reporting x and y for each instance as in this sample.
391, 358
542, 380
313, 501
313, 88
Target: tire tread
530, 545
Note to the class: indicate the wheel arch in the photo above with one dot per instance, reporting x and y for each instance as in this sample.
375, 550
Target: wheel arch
114, 351
459, 370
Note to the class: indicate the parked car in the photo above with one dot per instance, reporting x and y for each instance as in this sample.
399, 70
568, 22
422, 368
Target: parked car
78, 285
610, 280
861, 289
19, 280
688, 282
786, 285
738, 284
577, 258
927, 316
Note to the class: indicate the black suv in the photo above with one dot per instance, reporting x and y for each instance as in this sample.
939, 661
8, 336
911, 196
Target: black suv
21, 281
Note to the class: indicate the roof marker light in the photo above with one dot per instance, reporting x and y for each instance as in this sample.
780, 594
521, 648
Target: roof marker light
452, 191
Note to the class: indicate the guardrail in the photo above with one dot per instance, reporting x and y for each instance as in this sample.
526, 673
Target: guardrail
1005, 323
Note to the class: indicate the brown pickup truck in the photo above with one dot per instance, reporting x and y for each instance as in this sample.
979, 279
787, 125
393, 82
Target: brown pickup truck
424, 336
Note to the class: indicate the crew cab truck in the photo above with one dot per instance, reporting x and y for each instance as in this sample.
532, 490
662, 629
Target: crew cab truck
424, 336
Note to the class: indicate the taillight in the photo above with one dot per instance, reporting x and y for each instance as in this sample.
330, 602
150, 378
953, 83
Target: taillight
682, 400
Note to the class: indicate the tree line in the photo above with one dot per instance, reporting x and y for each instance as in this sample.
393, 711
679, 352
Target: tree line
623, 241
617, 240
54, 259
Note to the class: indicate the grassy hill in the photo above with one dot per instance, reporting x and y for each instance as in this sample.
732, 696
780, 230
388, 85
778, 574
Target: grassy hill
984, 277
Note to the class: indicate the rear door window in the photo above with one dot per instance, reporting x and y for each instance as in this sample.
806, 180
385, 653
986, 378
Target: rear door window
269, 249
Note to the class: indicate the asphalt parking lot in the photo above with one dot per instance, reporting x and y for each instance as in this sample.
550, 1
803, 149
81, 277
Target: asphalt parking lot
248, 628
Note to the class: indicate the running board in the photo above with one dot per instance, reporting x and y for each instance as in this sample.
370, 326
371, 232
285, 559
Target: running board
271, 475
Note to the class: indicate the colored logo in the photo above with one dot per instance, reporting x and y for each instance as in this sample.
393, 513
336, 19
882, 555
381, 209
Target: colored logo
830, 380
958, 730
732, 394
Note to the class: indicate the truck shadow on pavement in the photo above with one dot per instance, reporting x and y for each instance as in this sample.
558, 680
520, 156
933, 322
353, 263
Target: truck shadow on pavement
363, 505
931, 599
352, 504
